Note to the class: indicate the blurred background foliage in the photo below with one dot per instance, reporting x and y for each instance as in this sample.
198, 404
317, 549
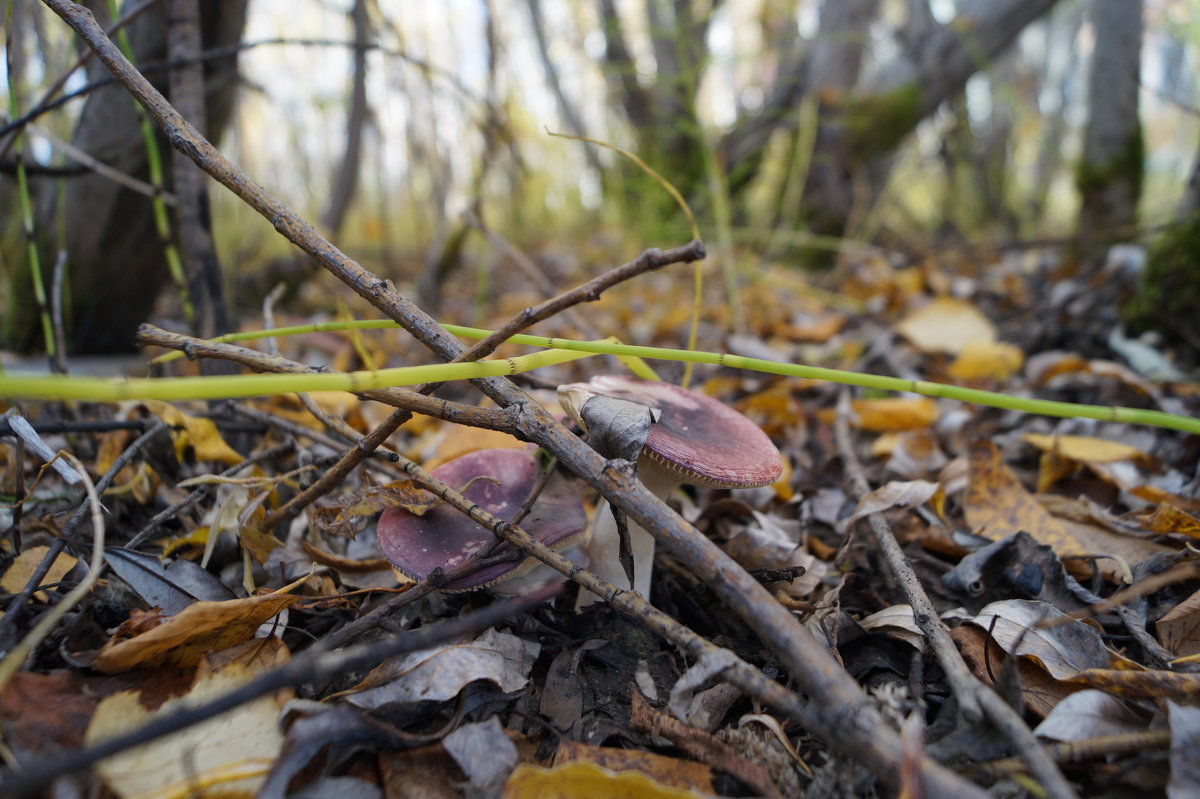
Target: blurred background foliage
795, 129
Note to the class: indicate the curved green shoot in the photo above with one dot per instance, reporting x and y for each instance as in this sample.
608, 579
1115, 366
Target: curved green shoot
993, 399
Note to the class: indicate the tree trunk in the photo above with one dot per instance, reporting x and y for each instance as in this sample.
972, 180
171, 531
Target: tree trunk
346, 180
116, 266
1110, 172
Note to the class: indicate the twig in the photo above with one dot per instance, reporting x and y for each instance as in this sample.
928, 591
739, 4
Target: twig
975, 700
103, 169
589, 292
12, 612
1075, 751
304, 669
17, 655
841, 712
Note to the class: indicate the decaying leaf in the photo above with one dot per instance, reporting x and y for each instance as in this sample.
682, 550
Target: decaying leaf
183, 639
484, 754
440, 673
896, 494
898, 622
996, 505
1179, 629
201, 759
1184, 721
1064, 650
1090, 714
346, 515
26, 563
889, 415
668, 771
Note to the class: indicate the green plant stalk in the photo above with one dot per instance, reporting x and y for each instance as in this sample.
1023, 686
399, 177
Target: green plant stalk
174, 389
992, 399
31, 250
154, 160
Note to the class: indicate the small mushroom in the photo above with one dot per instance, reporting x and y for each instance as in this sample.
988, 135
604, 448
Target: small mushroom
499, 481
694, 439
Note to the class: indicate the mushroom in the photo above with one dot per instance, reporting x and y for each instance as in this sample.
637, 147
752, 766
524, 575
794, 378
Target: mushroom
499, 481
692, 439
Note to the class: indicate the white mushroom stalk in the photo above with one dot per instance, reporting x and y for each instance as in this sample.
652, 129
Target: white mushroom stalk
694, 439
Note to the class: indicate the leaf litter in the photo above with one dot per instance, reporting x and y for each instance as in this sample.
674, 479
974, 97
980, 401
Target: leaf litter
1011, 522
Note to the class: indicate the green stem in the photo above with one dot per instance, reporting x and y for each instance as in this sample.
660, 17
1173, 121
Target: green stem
26, 204
993, 399
172, 389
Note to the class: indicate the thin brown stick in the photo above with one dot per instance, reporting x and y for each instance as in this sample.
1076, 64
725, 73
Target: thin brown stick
841, 712
975, 699
1075, 751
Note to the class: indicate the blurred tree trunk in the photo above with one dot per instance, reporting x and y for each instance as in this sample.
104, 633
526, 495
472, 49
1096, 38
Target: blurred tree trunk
862, 127
193, 214
661, 107
1110, 172
346, 179
116, 266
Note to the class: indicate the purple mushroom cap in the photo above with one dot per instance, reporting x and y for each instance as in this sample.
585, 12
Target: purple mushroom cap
697, 439
499, 481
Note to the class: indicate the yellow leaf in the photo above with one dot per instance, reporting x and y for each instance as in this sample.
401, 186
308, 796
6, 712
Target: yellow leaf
190, 432
946, 325
895, 414
1084, 449
26, 564
183, 639
582, 779
986, 361
996, 505
228, 755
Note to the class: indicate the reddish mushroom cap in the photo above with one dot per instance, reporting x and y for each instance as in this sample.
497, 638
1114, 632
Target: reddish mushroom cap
698, 439
499, 481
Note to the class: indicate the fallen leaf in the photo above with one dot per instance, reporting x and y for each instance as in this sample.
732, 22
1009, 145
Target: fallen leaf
996, 505
1179, 628
1140, 683
889, 415
1089, 714
896, 494
202, 758
986, 361
457, 440
183, 639
896, 621
668, 771
484, 754
582, 779
1085, 449
1064, 650
1166, 520
1184, 721
439, 673
193, 435
946, 325
24, 566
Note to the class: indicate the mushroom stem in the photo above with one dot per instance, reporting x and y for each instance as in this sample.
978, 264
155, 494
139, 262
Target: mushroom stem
604, 545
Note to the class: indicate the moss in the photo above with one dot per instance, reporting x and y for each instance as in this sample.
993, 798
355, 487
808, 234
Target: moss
1168, 295
1128, 166
878, 122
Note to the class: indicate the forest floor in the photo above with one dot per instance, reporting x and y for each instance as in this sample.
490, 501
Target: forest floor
1018, 528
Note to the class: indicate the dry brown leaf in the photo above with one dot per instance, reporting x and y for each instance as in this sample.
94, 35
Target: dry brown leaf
1179, 628
183, 639
1148, 684
204, 758
996, 505
26, 564
946, 325
1166, 519
457, 440
896, 494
